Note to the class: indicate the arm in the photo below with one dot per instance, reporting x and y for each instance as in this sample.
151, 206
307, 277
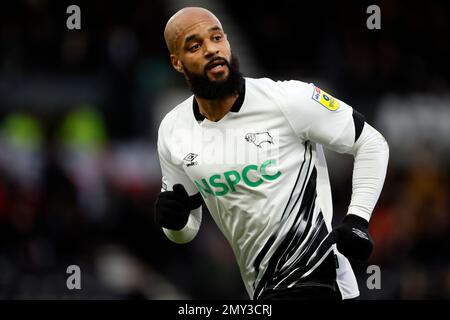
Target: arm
317, 116
178, 210
189, 232
340, 128
371, 154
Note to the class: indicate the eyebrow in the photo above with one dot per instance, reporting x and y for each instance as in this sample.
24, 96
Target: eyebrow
194, 36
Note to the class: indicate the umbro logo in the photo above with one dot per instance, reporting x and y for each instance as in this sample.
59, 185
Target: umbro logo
258, 138
360, 234
189, 159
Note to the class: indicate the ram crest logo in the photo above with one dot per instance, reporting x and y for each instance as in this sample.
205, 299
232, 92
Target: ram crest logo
258, 138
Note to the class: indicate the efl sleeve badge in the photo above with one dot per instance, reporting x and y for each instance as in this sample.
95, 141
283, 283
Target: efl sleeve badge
325, 99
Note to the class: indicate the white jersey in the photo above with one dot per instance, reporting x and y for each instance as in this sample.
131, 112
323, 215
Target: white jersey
262, 174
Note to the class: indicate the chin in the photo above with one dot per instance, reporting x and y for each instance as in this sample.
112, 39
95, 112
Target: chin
219, 78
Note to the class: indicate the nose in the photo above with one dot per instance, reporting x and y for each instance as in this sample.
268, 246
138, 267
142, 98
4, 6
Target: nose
210, 48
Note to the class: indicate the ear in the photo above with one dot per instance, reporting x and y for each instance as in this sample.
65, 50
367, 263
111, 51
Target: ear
176, 63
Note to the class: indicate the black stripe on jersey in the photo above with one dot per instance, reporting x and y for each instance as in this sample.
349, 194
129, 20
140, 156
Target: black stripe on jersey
309, 244
358, 120
302, 229
307, 205
272, 238
293, 275
195, 201
263, 253
304, 219
307, 147
298, 266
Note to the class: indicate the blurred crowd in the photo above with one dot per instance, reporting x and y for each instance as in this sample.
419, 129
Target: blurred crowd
79, 171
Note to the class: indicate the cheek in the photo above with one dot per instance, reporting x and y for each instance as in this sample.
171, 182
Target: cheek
192, 65
227, 51
198, 62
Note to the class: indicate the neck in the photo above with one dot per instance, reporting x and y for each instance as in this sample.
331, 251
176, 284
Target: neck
214, 110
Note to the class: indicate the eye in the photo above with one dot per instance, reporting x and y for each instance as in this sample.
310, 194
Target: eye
194, 47
217, 37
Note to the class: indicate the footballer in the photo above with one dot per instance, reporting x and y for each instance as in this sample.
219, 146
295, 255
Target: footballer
251, 151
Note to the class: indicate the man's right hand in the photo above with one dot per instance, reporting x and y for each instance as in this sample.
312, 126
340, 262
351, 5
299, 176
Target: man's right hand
172, 208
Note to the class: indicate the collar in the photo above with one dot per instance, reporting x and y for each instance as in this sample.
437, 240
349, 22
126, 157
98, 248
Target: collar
234, 108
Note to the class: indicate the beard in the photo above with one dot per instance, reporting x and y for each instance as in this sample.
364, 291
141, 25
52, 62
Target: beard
204, 88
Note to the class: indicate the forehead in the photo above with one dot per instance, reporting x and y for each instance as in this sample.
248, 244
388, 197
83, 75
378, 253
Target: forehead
199, 25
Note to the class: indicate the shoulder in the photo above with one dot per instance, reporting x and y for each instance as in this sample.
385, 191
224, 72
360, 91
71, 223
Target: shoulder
175, 117
173, 122
281, 88
296, 88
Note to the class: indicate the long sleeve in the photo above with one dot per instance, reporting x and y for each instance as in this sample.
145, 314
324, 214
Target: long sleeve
317, 116
189, 232
173, 173
371, 154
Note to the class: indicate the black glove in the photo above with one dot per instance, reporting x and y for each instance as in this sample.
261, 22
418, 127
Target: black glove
352, 238
172, 208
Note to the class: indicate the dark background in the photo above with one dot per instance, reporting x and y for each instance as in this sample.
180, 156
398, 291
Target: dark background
79, 111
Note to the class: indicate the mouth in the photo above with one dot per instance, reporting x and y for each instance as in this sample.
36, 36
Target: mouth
216, 66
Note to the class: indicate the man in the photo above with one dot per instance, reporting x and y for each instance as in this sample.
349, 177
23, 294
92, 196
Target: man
251, 150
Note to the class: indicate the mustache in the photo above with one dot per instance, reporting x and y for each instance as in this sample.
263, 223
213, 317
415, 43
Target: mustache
214, 61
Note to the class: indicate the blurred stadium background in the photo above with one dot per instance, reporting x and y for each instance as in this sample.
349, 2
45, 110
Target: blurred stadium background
79, 111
